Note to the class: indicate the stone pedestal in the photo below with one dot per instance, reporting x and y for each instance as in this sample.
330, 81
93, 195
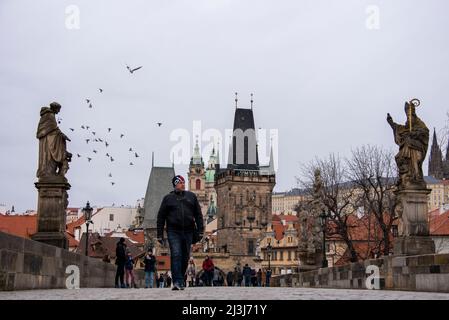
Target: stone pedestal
413, 224
413, 246
51, 212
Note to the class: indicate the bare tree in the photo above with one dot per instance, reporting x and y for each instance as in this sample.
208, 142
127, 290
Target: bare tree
337, 196
373, 171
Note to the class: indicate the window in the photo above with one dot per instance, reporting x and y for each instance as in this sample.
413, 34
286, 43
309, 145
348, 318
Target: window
111, 217
282, 255
289, 256
198, 184
250, 246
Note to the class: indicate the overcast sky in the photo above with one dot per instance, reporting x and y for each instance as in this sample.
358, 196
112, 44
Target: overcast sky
323, 74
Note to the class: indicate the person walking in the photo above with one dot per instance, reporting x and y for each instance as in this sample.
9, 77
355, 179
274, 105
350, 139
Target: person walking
259, 278
150, 269
247, 275
191, 273
216, 277
120, 259
267, 284
230, 278
208, 268
236, 277
129, 268
160, 281
181, 212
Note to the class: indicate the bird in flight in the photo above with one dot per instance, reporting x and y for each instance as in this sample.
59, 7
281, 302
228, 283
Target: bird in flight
109, 129
106, 143
112, 184
95, 151
130, 149
87, 127
122, 135
90, 105
131, 164
101, 90
87, 100
93, 132
107, 155
110, 175
72, 129
135, 153
100, 140
78, 155
159, 124
134, 69
88, 159
83, 127
87, 141
112, 159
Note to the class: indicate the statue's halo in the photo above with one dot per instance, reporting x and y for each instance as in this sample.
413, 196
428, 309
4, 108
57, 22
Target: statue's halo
415, 102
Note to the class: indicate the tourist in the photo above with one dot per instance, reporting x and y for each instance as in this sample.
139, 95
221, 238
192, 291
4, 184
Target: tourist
181, 212
247, 275
120, 259
191, 273
259, 278
268, 277
150, 269
208, 268
129, 268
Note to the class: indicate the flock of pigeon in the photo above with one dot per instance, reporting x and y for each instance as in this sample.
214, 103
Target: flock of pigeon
97, 142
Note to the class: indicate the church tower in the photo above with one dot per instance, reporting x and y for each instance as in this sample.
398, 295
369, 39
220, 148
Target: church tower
243, 193
436, 169
197, 178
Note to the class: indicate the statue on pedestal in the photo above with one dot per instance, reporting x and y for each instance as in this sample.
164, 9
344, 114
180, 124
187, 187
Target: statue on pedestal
53, 154
412, 194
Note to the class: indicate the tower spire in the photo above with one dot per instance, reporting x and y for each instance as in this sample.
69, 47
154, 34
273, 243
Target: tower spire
236, 100
252, 101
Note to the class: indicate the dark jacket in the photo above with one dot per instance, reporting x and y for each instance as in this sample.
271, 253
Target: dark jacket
246, 271
129, 265
150, 263
180, 210
120, 253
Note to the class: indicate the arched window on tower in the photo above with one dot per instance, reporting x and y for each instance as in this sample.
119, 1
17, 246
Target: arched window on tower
198, 184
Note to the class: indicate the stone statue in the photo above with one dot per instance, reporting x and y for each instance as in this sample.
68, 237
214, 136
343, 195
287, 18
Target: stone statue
53, 156
412, 139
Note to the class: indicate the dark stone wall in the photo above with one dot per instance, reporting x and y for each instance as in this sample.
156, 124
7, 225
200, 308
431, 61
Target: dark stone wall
27, 264
416, 273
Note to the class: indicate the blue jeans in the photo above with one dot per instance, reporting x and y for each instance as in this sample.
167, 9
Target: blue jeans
180, 243
247, 281
149, 279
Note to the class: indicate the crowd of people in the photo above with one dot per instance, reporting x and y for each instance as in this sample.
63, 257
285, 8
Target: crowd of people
207, 275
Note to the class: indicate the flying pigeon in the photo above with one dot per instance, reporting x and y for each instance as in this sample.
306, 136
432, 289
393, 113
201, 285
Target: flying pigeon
83, 127
132, 70
95, 151
90, 105
159, 124
112, 184
100, 140
135, 153
87, 141
109, 129
130, 149
131, 164
93, 132
78, 155
72, 129
106, 143
110, 175
87, 100
112, 159
122, 135
88, 159
107, 155
87, 127
101, 90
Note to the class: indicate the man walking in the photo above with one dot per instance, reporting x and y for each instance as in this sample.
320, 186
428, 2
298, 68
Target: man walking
150, 269
181, 211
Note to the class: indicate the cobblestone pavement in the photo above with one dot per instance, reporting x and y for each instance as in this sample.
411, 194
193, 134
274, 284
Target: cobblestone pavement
220, 293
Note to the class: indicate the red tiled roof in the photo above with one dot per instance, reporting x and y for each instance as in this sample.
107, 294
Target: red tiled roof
19, 225
72, 242
70, 227
137, 236
288, 218
439, 224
